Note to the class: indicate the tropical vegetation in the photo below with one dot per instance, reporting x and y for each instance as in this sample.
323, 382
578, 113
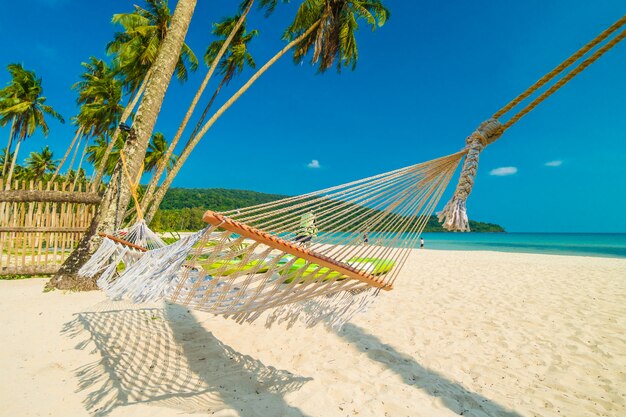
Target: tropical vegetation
182, 209
22, 105
120, 96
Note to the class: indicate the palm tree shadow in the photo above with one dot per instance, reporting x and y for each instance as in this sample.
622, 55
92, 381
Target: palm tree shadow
453, 395
163, 356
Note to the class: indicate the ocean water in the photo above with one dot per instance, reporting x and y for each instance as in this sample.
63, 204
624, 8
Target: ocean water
581, 244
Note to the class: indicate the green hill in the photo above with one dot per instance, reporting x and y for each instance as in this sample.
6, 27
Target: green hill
182, 208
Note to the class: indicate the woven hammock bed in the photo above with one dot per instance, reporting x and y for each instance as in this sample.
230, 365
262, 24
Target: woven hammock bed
325, 255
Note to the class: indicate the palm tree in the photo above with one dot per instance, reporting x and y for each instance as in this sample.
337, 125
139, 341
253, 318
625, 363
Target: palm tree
99, 94
27, 111
137, 46
95, 153
136, 49
5, 157
118, 193
101, 113
328, 28
16, 89
41, 163
229, 55
77, 135
156, 153
76, 176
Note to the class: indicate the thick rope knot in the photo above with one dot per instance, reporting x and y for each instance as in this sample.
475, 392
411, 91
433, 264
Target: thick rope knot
454, 214
488, 132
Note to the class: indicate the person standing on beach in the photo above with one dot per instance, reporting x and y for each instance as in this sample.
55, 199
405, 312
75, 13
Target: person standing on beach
421, 243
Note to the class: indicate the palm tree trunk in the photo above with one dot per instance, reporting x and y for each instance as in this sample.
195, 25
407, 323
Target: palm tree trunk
67, 153
8, 152
118, 193
170, 150
70, 167
160, 194
10, 174
80, 163
125, 115
148, 198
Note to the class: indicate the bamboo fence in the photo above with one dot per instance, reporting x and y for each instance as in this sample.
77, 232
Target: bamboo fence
41, 224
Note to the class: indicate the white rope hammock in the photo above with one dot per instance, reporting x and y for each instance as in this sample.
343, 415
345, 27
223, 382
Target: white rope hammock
296, 249
322, 256
120, 250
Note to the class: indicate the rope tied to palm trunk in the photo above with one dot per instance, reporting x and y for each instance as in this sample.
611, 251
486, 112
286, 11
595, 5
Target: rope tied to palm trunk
454, 214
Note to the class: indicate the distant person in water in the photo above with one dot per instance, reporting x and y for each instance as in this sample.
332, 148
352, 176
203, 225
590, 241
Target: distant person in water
421, 243
366, 238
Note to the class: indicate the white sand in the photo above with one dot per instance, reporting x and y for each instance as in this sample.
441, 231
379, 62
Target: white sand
471, 333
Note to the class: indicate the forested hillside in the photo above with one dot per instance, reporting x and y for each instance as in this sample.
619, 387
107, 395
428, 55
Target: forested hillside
182, 208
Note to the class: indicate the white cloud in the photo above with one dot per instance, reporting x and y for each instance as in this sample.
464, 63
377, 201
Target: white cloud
314, 164
555, 163
502, 171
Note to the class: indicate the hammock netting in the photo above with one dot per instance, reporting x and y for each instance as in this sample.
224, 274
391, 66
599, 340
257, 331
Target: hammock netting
120, 250
322, 256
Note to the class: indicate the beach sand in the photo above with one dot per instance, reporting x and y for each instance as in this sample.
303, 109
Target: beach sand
463, 333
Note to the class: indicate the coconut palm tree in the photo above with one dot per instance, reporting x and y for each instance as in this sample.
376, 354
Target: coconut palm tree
156, 153
327, 28
136, 49
118, 193
137, 46
26, 112
76, 176
77, 136
95, 152
229, 55
17, 89
89, 90
5, 157
41, 163
14, 90
100, 95
102, 114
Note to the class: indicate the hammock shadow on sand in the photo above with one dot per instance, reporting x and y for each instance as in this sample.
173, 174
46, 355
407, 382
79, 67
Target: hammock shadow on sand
163, 356
453, 395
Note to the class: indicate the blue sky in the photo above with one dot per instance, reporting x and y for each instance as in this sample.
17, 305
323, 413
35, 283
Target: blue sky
423, 83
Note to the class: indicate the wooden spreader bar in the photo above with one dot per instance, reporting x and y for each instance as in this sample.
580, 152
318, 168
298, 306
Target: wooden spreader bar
123, 242
249, 232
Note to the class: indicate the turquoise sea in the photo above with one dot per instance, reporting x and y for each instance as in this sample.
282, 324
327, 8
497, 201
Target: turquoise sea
581, 244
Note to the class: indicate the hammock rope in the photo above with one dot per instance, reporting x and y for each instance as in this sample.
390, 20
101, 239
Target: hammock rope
124, 247
454, 215
324, 256
297, 249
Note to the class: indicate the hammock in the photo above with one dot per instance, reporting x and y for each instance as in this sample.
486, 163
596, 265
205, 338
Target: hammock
123, 247
120, 250
326, 255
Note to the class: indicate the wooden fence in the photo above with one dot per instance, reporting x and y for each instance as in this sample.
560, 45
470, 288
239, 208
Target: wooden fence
41, 224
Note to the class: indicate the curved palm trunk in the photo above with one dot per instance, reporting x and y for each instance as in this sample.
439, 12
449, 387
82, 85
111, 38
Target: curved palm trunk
78, 134
148, 198
125, 115
10, 174
162, 165
8, 152
80, 163
71, 165
118, 193
160, 194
